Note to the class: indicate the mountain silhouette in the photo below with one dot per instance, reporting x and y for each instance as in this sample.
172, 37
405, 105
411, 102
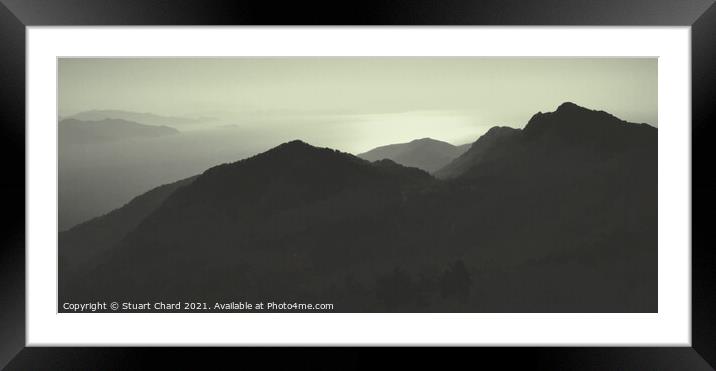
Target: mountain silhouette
560, 216
570, 129
107, 130
426, 154
88, 240
496, 136
139, 117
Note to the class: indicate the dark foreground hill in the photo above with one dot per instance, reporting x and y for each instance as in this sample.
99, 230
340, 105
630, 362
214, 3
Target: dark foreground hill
558, 217
88, 241
427, 154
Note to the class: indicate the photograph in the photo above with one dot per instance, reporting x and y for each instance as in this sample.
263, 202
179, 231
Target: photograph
357, 184
199, 183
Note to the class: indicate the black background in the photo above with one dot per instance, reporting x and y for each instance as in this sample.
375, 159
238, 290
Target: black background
15, 15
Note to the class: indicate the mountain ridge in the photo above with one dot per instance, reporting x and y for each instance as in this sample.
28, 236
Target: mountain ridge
569, 126
139, 117
99, 234
426, 153
535, 223
106, 130
494, 136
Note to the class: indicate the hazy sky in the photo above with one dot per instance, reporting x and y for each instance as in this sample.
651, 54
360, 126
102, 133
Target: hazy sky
356, 103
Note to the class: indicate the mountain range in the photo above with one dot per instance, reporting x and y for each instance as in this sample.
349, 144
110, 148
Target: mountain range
560, 216
73, 131
426, 154
473, 155
139, 117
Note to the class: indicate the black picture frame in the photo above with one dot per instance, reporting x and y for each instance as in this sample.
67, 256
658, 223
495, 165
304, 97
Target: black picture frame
16, 15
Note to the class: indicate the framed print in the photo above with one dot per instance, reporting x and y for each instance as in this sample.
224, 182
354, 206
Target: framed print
528, 185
